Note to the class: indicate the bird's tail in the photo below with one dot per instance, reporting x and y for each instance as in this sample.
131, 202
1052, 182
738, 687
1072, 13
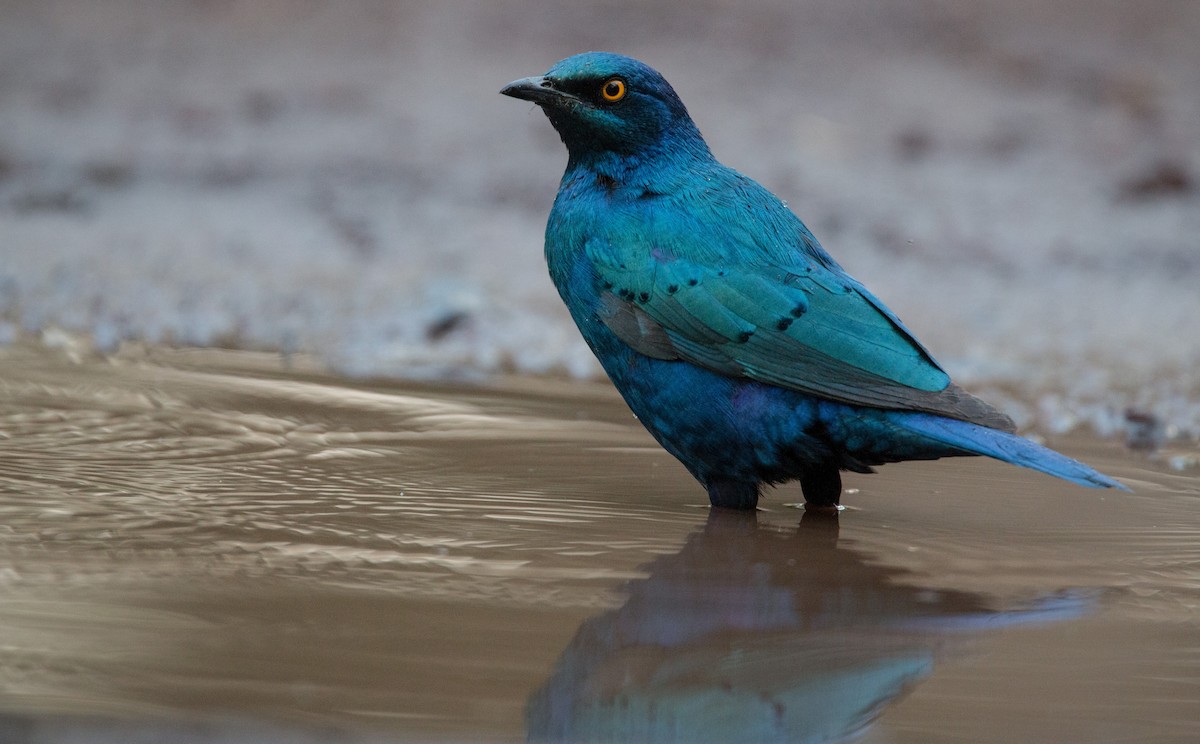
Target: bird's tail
1007, 447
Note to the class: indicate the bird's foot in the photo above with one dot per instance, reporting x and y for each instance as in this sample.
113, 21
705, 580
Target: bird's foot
732, 494
822, 490
829, 511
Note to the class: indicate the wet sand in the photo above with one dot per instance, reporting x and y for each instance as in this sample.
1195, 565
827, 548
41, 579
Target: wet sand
205, 547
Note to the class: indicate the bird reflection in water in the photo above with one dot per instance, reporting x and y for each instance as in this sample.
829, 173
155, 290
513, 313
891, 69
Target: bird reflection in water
753, 633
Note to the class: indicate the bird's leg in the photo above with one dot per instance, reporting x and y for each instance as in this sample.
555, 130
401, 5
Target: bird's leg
822, 488
732, 494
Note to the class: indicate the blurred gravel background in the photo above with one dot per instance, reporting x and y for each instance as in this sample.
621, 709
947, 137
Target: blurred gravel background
1019, 180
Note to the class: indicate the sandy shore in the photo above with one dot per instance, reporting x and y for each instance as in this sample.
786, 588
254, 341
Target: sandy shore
1018, 180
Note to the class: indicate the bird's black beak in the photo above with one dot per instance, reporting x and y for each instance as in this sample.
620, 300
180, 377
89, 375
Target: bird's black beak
538, 89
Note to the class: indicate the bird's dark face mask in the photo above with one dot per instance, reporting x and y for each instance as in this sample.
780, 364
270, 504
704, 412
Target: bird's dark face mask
597, 109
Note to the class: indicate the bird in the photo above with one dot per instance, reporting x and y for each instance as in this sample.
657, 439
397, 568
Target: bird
740, 344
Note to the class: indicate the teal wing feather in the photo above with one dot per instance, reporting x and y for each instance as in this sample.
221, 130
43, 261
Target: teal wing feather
800, 323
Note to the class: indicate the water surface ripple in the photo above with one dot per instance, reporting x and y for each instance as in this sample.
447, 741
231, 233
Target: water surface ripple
204, 545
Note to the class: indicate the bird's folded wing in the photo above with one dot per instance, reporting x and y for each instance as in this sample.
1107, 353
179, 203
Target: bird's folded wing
804, 327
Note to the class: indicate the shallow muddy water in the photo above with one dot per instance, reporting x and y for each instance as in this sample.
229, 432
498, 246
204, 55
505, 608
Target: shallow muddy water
202, 547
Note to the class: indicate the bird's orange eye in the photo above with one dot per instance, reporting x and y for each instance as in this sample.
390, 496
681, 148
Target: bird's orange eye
613, 90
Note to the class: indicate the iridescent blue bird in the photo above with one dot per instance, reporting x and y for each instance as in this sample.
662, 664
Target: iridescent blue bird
743, 347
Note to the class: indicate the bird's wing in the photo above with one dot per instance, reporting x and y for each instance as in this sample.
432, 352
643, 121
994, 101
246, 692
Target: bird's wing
806, 326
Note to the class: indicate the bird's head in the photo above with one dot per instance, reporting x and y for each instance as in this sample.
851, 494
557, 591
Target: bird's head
603, 103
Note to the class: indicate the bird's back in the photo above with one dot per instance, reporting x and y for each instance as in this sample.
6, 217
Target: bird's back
704, 264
